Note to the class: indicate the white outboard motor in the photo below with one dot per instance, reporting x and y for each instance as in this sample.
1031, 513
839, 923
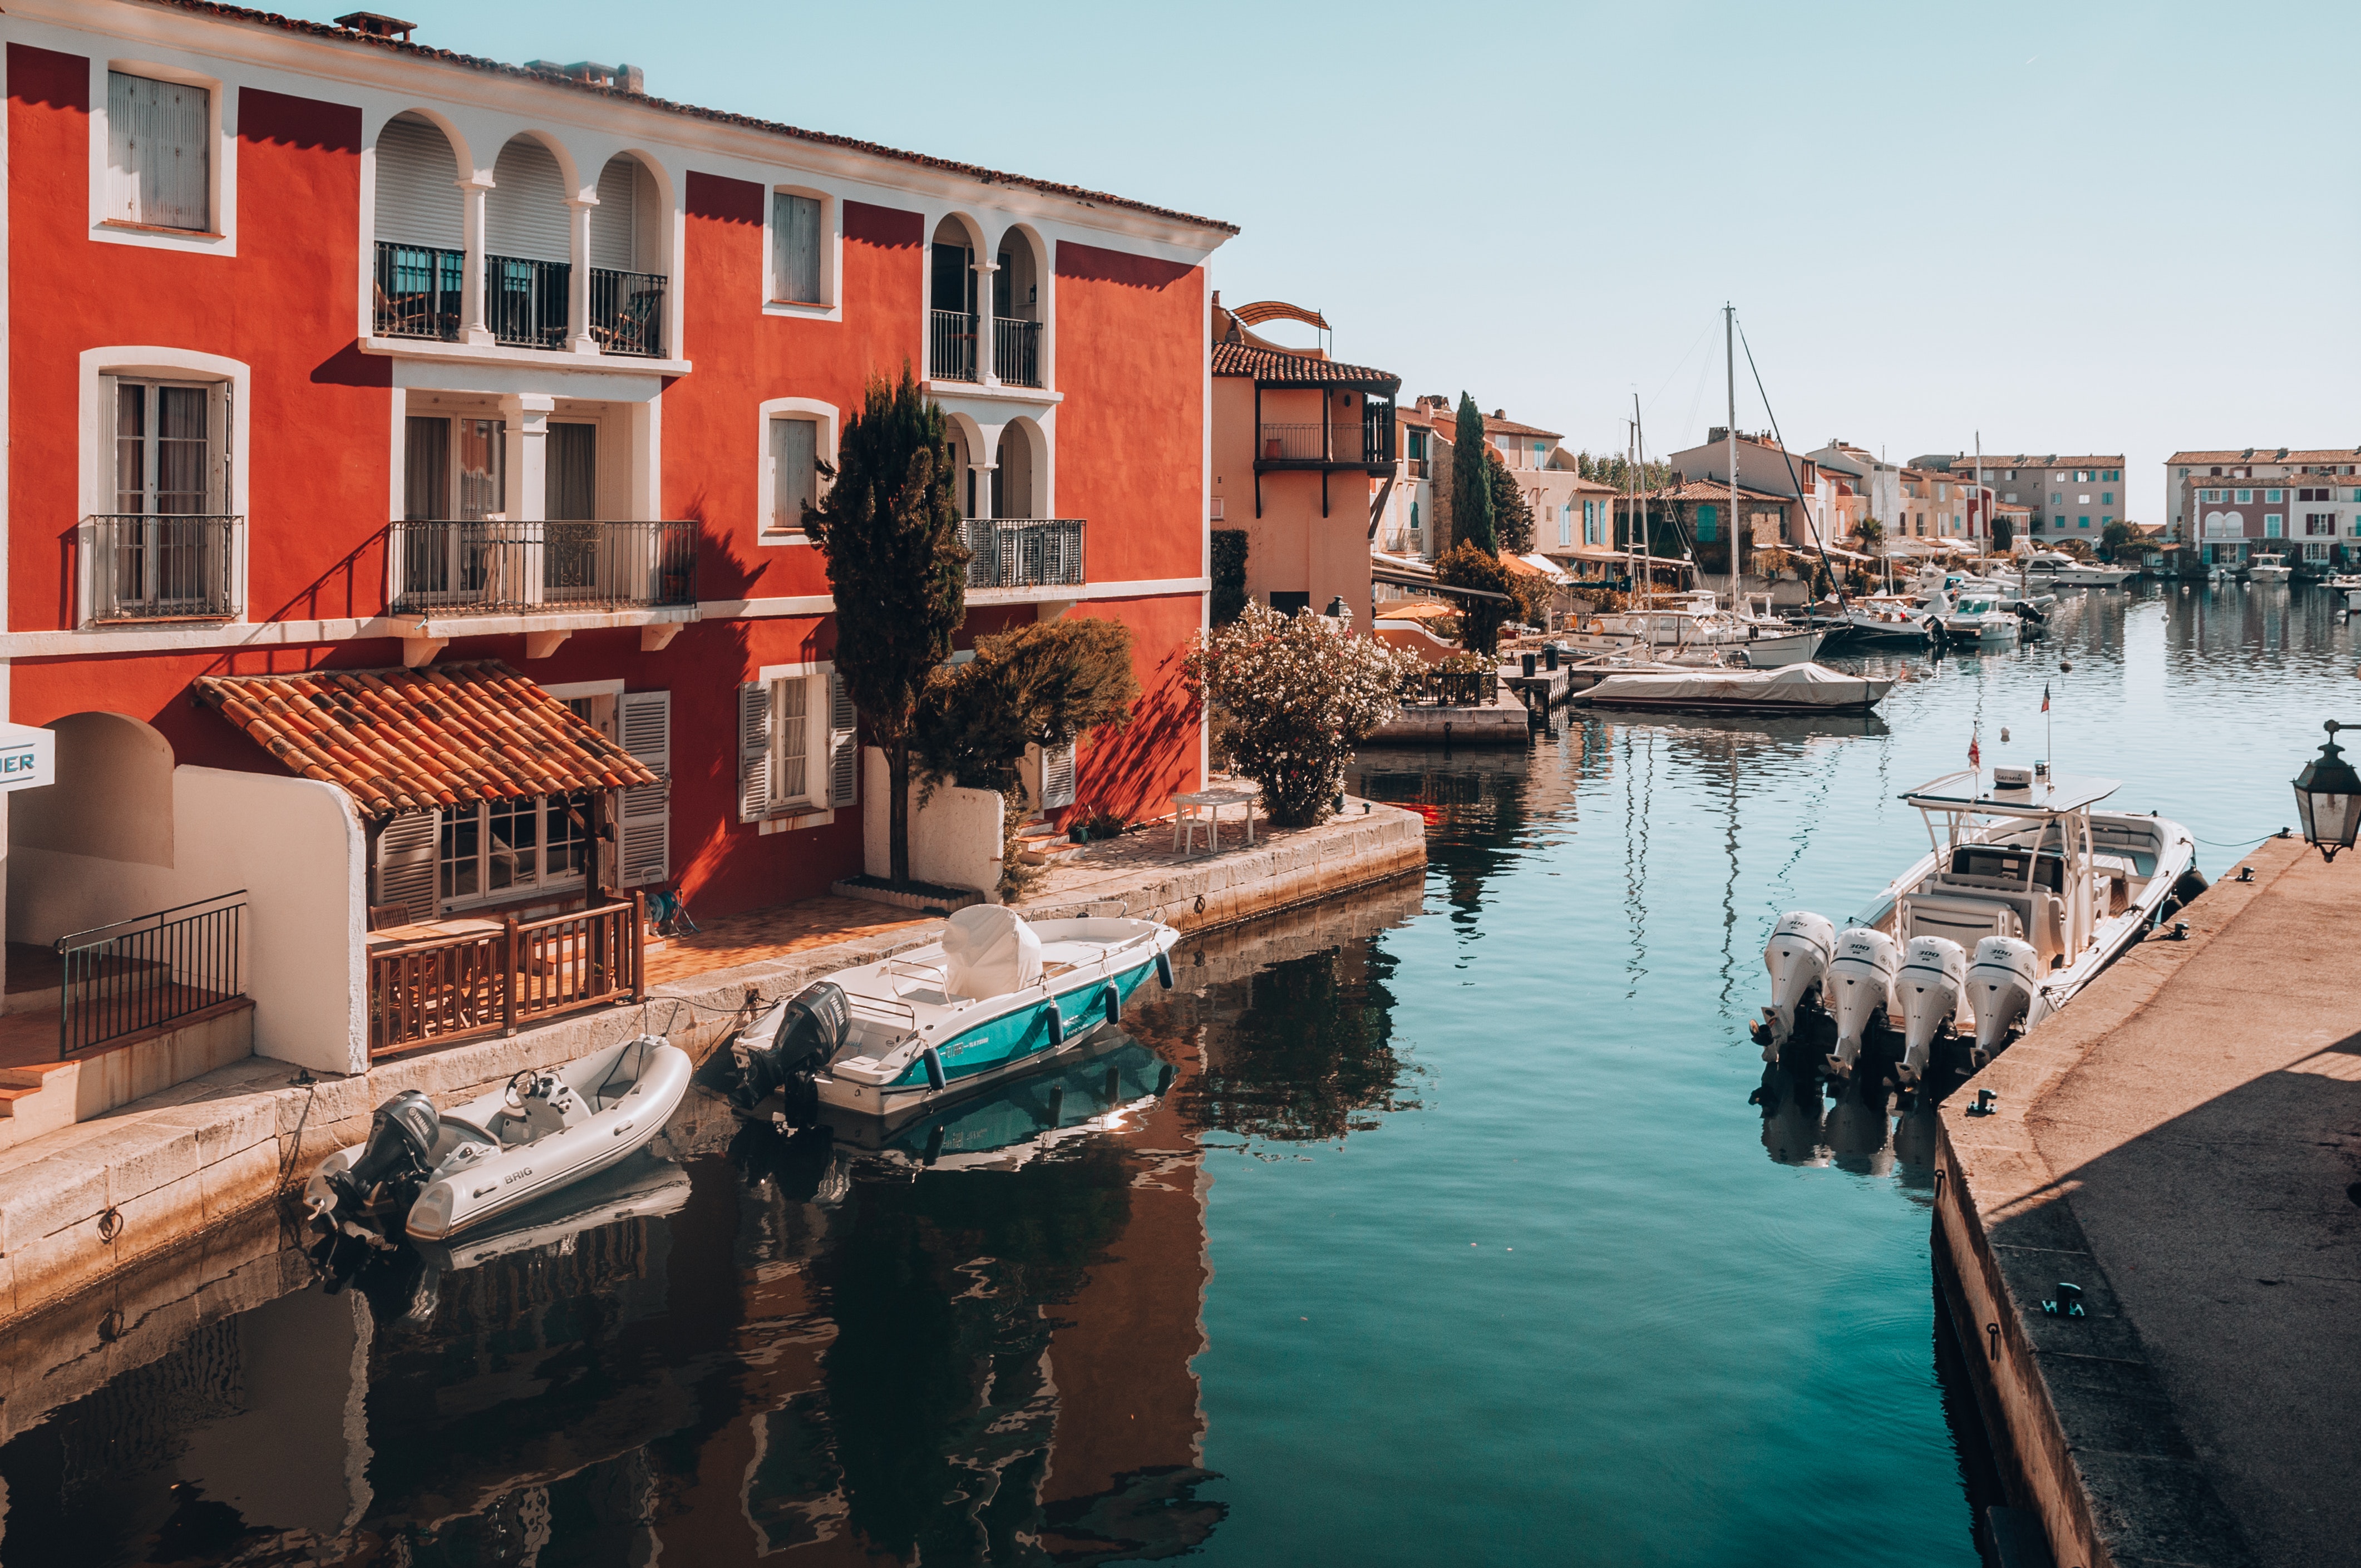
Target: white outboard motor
1797, 956
1859, 990
2002, 985
1933, 977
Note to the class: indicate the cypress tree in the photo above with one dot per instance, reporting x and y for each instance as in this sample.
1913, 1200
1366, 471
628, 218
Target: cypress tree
889, 530
1471, 483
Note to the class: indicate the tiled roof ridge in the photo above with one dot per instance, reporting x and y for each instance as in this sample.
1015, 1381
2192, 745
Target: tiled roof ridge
1241, 359
401, 739
692, 111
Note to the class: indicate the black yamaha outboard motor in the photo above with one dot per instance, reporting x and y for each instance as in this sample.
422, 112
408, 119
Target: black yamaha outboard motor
782, 1050
393, 1166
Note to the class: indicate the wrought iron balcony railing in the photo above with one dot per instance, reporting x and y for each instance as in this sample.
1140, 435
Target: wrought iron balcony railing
1023, 552
1017, 352
627, 312
950, 346
523, 568
1366, 444
418, 290
147, 567
525, 302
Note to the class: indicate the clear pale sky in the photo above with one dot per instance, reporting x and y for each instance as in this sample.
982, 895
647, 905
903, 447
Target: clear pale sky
2078, 228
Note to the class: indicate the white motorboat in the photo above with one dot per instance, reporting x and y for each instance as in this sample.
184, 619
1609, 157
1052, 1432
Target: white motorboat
1888, 618
437, 1173
2349, 584
1981, 620
2029, 894
1696, 619
2055, 568
2268, 569
998, 997
1798, 688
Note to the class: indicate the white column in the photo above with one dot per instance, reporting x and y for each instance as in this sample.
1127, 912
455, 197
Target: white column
471, 298
577, 287
987, 362
527, 416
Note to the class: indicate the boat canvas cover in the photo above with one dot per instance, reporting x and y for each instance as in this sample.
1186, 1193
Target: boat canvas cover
988, 951
1796, 686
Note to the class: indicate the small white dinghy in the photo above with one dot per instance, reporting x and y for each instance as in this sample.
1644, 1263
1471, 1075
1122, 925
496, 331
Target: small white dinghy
436, 1173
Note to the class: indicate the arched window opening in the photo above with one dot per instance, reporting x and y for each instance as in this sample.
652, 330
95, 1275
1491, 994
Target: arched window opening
627, 283
420, 245
1016, 314
951, 318
1012, 478
526, 269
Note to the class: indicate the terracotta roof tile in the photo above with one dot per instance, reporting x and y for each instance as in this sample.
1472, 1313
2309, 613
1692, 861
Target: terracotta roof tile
2271, 454
404, 740
1277, 365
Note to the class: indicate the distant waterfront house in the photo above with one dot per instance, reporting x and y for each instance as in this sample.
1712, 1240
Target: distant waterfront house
2234, 502
1808, 494
2065, 495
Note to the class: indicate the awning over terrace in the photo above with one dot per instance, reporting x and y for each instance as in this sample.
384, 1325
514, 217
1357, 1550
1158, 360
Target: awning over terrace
400, 740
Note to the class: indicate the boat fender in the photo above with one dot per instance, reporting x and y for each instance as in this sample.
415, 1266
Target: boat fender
931, 1059
1111, 999
1164, 969
1056, 1024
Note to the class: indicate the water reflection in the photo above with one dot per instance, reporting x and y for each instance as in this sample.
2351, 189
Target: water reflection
970, 1343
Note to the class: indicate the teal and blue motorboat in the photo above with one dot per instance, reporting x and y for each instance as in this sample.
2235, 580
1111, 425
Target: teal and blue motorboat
997, 997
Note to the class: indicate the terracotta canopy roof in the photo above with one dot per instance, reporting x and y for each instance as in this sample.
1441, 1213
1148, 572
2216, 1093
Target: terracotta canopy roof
400, 740
820, 138
1275, 366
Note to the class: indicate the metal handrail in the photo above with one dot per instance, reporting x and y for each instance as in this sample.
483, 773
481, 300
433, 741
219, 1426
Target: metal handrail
1017, 351
525, 301
627, 312
1024, 553
496, 567
141, 974
950, 344
1357, 444
418, 290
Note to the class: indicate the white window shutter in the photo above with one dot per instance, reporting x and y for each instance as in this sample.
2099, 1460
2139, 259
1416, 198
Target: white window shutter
753, 751
221, 424
406, 848
1058, 776
643, 824
844, 744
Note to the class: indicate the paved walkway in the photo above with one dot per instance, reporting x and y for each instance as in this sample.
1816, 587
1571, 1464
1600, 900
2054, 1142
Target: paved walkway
2187, 1149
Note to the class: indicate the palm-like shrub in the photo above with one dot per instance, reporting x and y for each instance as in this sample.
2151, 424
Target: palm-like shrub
1296, 693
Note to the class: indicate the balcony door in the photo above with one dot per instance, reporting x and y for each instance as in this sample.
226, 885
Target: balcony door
166, 551
454, 481
569, 556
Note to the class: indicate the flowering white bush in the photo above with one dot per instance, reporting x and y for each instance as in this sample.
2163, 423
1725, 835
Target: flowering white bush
1298, 693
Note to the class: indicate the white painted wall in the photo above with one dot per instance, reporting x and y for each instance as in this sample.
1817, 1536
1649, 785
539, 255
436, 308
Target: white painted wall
954, 838
298, 848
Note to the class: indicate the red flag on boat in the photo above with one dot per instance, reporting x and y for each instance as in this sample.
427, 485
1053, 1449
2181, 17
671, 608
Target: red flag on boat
1975, 749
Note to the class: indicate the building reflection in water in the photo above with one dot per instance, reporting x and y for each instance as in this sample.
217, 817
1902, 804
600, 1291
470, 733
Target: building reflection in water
976, 1345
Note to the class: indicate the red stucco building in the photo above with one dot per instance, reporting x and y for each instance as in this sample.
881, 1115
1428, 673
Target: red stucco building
328, 351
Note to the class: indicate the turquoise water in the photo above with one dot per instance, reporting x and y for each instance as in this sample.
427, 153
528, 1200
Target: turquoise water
1431, 1223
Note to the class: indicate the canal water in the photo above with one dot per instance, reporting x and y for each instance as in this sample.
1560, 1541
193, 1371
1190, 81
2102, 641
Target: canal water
1431, 1222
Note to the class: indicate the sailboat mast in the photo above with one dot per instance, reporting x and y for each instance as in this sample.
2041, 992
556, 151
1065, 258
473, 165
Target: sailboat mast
1730, 370
1640, 453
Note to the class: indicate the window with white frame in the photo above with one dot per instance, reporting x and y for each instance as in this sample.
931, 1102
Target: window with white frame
162, 544
158, 168
507, 848
794, 471
798, 240
2274, 525
2321, 523
798, 746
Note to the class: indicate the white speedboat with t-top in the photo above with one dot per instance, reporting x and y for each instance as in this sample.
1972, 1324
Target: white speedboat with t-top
1980, 620
2028, 893
2268, 569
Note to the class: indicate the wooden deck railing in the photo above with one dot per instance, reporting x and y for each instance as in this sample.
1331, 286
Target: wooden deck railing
527, 973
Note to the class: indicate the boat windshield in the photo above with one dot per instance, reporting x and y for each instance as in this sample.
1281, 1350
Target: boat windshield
2010, 864
1975, 606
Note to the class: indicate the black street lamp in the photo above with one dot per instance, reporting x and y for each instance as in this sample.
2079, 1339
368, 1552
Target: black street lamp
2328, 797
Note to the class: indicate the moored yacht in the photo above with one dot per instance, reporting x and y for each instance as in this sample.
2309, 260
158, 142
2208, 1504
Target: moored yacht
2349, 584
2055, 568
2268, 569
2029, 892
1696, 619
1976, 620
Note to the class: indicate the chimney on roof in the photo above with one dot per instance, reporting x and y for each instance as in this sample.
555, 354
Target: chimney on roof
377, 26
1500, 413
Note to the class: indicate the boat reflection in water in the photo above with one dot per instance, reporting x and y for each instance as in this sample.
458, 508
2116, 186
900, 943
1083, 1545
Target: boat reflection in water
1800, 1127
1104, 1091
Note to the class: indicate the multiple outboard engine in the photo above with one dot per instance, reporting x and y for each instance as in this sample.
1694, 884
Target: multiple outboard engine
781, 1051
1797, 955
2002, 985
397, 1161
1859, 990
1933, 977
